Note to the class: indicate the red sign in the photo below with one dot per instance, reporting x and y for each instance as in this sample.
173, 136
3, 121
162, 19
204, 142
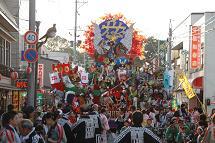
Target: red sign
40, 74
196, 47
31, 37
61, 68
22, 83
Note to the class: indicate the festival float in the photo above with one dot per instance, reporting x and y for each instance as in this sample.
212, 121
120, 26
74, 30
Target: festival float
114, 45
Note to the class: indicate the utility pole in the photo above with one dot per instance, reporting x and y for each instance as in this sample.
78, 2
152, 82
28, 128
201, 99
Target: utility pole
36, 65
158, 53
169, 67
75, 30
31, 81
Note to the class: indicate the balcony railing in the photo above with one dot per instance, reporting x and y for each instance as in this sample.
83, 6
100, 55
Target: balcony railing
5, 70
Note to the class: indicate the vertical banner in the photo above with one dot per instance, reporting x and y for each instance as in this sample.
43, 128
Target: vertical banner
196, 47
186, 85
40, 74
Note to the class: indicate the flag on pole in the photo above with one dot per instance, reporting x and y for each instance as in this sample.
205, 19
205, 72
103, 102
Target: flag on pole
186, 85
54, 78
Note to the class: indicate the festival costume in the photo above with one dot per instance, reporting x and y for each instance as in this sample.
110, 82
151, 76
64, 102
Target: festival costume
137, 134
83, 131
97, 122
56, 133
9, 135
65, 123
32, 137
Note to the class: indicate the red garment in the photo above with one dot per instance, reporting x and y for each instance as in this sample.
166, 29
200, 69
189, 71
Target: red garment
117, 95
58, 86
72, 119
96, 99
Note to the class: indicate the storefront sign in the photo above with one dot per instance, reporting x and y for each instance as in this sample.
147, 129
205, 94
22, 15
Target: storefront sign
41, 74
22, 83
186, 85
196, 47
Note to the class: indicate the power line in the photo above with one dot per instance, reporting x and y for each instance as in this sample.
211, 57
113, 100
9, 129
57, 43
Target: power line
200, 25
180, 23
204, 32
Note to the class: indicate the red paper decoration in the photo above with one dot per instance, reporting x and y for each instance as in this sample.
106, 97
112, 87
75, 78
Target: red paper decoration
14, 75
61, 68
138, 40
28, 70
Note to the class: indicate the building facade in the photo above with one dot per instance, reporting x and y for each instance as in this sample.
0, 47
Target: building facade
196, 64
9, 44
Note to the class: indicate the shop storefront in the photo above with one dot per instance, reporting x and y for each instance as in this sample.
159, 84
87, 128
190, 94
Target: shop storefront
9, 95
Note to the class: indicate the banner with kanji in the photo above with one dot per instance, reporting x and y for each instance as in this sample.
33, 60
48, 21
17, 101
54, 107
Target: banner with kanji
41, 74
186, 85
196, 47
54, 78
84, 78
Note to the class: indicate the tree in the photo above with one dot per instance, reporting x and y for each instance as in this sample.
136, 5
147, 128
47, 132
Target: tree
152, 52
59, 44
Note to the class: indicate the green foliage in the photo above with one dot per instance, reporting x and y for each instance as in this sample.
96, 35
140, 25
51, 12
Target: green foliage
152, 51
60, 44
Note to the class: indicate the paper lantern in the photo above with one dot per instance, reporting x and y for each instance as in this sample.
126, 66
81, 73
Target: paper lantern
28, 70
14, 75
43, 91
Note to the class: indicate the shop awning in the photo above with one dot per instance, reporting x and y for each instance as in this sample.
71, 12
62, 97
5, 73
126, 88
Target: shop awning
9, 87
196, 79
198, 83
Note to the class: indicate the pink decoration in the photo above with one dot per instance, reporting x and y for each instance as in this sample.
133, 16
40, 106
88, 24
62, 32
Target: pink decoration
14, 75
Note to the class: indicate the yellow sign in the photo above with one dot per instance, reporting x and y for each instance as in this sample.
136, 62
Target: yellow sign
186, 85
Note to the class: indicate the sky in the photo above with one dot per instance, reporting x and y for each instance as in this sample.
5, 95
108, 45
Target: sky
151, 17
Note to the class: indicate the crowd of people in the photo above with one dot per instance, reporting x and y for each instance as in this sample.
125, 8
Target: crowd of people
154, 122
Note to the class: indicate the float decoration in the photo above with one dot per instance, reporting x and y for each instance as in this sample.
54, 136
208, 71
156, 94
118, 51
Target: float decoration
114, 37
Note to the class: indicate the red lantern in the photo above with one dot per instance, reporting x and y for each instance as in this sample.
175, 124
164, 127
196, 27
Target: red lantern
29, 70
14, 75
43, 91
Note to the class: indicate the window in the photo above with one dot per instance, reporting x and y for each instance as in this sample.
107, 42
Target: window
2, 51
7, 54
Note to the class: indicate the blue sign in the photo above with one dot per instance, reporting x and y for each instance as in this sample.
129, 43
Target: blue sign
31, 55
22, 56
113, 30
166, 80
